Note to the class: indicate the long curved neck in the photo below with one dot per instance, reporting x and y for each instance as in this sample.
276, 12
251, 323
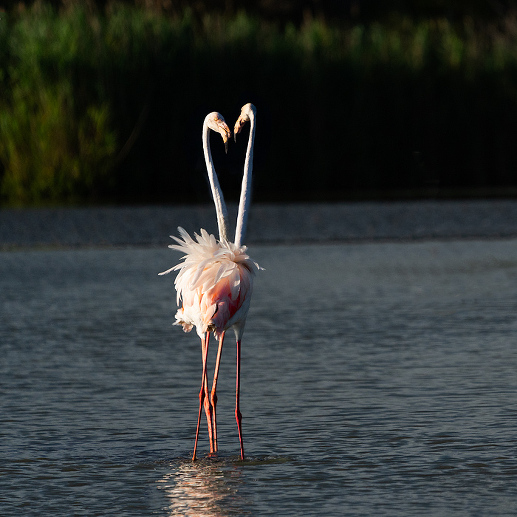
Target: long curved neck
217, 193
244, 203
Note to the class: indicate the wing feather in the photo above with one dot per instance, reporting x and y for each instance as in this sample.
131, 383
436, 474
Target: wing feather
213, 281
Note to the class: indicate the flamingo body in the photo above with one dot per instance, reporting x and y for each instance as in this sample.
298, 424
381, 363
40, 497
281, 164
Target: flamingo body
214, 284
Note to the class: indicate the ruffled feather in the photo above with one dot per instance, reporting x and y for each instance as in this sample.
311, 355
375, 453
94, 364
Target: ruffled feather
214, 282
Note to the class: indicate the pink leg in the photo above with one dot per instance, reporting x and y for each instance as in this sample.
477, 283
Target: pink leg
213, 395
203, 394
238, 415
208, 405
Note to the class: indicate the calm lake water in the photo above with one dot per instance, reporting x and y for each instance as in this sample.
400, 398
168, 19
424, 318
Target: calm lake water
378, 379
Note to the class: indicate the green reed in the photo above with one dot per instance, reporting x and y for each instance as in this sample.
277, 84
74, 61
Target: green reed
104, 105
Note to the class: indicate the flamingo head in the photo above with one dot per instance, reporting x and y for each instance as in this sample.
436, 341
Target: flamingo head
215, 122
247, 111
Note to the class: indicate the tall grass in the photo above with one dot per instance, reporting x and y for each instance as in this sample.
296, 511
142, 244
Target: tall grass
107, 106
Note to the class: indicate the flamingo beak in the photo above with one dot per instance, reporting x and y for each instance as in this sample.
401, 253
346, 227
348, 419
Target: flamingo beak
225, 132
238, 126
226, 137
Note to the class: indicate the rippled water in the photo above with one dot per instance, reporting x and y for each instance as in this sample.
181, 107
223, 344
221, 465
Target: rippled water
378, 379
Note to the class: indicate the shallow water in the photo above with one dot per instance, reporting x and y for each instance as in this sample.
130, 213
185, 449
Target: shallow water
378, 379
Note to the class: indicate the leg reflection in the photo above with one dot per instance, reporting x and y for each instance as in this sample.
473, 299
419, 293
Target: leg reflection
204, 489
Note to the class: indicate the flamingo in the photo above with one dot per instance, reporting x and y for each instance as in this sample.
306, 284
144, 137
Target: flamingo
215, 278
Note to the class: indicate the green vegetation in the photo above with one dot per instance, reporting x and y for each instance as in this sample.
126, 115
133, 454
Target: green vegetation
107, 105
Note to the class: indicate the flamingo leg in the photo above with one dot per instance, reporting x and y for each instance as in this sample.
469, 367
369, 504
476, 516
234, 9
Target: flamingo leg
238, 415
208, 404
213, 395
203, 394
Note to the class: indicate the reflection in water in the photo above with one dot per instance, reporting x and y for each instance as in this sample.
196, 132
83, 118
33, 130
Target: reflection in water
203, 489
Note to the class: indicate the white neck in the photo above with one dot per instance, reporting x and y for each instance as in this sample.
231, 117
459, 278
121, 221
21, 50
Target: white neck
244, 203
217, 193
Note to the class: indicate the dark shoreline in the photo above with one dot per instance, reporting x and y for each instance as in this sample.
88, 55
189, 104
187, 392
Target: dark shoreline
269, 223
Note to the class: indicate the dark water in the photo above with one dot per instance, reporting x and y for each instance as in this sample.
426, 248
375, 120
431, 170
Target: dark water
378, 379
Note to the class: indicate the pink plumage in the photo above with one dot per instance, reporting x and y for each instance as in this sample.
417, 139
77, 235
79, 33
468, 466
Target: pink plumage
214, 284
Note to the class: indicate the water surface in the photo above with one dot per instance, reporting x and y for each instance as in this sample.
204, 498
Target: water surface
378, 379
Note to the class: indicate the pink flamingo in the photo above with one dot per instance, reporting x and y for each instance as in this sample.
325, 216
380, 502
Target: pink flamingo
215, 278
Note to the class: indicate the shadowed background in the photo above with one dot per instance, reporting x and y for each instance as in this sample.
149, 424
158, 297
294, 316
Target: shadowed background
104, 101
